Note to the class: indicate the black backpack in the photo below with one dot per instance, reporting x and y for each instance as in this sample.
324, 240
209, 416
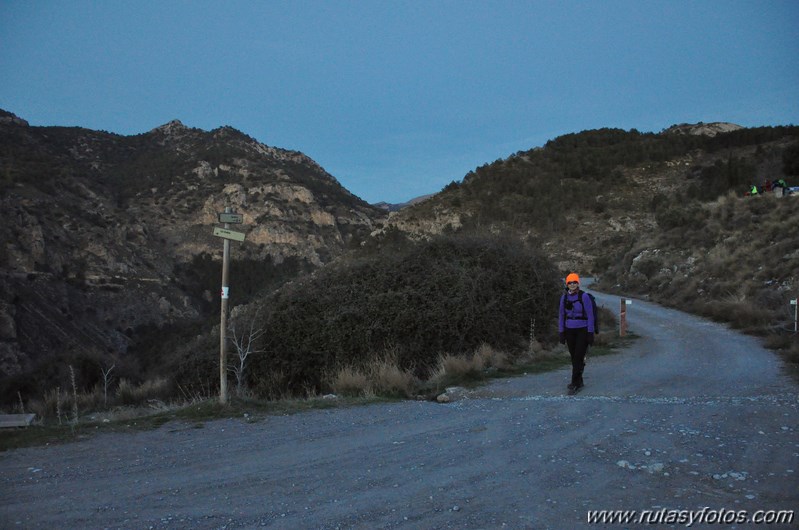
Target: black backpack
581, 298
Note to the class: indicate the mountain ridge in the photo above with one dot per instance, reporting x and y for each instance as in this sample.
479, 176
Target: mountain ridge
703, 129
607, 184
109, 235
110, 255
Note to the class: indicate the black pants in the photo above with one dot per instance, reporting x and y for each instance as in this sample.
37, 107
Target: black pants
577, 341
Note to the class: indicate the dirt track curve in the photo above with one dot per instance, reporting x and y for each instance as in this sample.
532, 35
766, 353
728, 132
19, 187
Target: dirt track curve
692, 415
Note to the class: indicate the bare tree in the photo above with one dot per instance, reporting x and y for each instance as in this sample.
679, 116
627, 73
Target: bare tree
245, 342
107, 379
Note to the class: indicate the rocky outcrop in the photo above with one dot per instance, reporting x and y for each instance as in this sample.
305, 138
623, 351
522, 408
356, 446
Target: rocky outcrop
703, 129
7, 118
433, 222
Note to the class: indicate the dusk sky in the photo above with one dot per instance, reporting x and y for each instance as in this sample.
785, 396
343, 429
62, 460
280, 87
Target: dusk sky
398, 98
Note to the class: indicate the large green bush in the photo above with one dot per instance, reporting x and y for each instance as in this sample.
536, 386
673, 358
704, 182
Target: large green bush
448, 295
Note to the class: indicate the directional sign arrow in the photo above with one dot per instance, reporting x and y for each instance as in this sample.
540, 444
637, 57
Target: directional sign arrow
228, 234
231, 218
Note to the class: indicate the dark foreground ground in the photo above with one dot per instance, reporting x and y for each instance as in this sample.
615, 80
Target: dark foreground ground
691, 416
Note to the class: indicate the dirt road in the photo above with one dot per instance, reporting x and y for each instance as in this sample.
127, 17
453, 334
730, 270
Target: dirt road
692, 415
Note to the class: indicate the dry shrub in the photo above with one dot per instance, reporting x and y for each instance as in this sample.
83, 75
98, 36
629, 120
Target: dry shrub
454, 368
607, 320
61, 404
792, 354
388, 379
53, 405
89, 401
382, 377
534, 347
780, 342
787, 344
272, 385
131, 394
726, 204
196, 393
718, 260
604, 338
492, 358
126, 393
348, 381
740, 314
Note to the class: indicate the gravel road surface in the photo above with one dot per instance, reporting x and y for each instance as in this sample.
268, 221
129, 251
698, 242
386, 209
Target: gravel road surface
691, 416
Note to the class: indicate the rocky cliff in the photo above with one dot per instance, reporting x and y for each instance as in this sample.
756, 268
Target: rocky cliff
105, 235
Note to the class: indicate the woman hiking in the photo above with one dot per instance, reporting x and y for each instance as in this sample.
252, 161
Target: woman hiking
576, 325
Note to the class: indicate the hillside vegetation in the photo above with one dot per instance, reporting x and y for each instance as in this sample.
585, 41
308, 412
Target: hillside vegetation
586, 195
123, 269
733, 259
414, 304
534, 187
659, 215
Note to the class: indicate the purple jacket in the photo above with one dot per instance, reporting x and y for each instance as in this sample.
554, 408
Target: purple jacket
573, 318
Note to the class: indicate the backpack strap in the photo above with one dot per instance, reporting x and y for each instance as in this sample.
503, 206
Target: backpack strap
581, 296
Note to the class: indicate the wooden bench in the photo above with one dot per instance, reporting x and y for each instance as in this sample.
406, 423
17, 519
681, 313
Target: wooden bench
8, 421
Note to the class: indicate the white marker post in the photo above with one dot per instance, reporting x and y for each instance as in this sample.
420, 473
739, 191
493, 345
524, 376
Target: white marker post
623, 303
795, 313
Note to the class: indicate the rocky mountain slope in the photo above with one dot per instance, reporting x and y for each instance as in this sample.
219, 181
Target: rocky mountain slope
109, 249
586, 197
663, 216
105, 236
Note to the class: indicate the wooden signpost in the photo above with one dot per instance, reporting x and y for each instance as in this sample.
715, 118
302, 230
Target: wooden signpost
228, 217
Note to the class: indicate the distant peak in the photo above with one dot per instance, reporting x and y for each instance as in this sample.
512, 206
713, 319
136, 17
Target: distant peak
394, 207
703, 129
10, 118
171, 127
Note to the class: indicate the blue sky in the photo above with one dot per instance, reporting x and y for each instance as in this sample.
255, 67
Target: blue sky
398, 98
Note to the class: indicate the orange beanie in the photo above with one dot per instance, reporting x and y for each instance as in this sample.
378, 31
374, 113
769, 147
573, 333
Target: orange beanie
572, 278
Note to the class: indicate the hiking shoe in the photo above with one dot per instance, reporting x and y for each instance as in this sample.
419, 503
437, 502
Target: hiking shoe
571, 386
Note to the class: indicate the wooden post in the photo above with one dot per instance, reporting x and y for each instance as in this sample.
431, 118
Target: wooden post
223, 319
623, 318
